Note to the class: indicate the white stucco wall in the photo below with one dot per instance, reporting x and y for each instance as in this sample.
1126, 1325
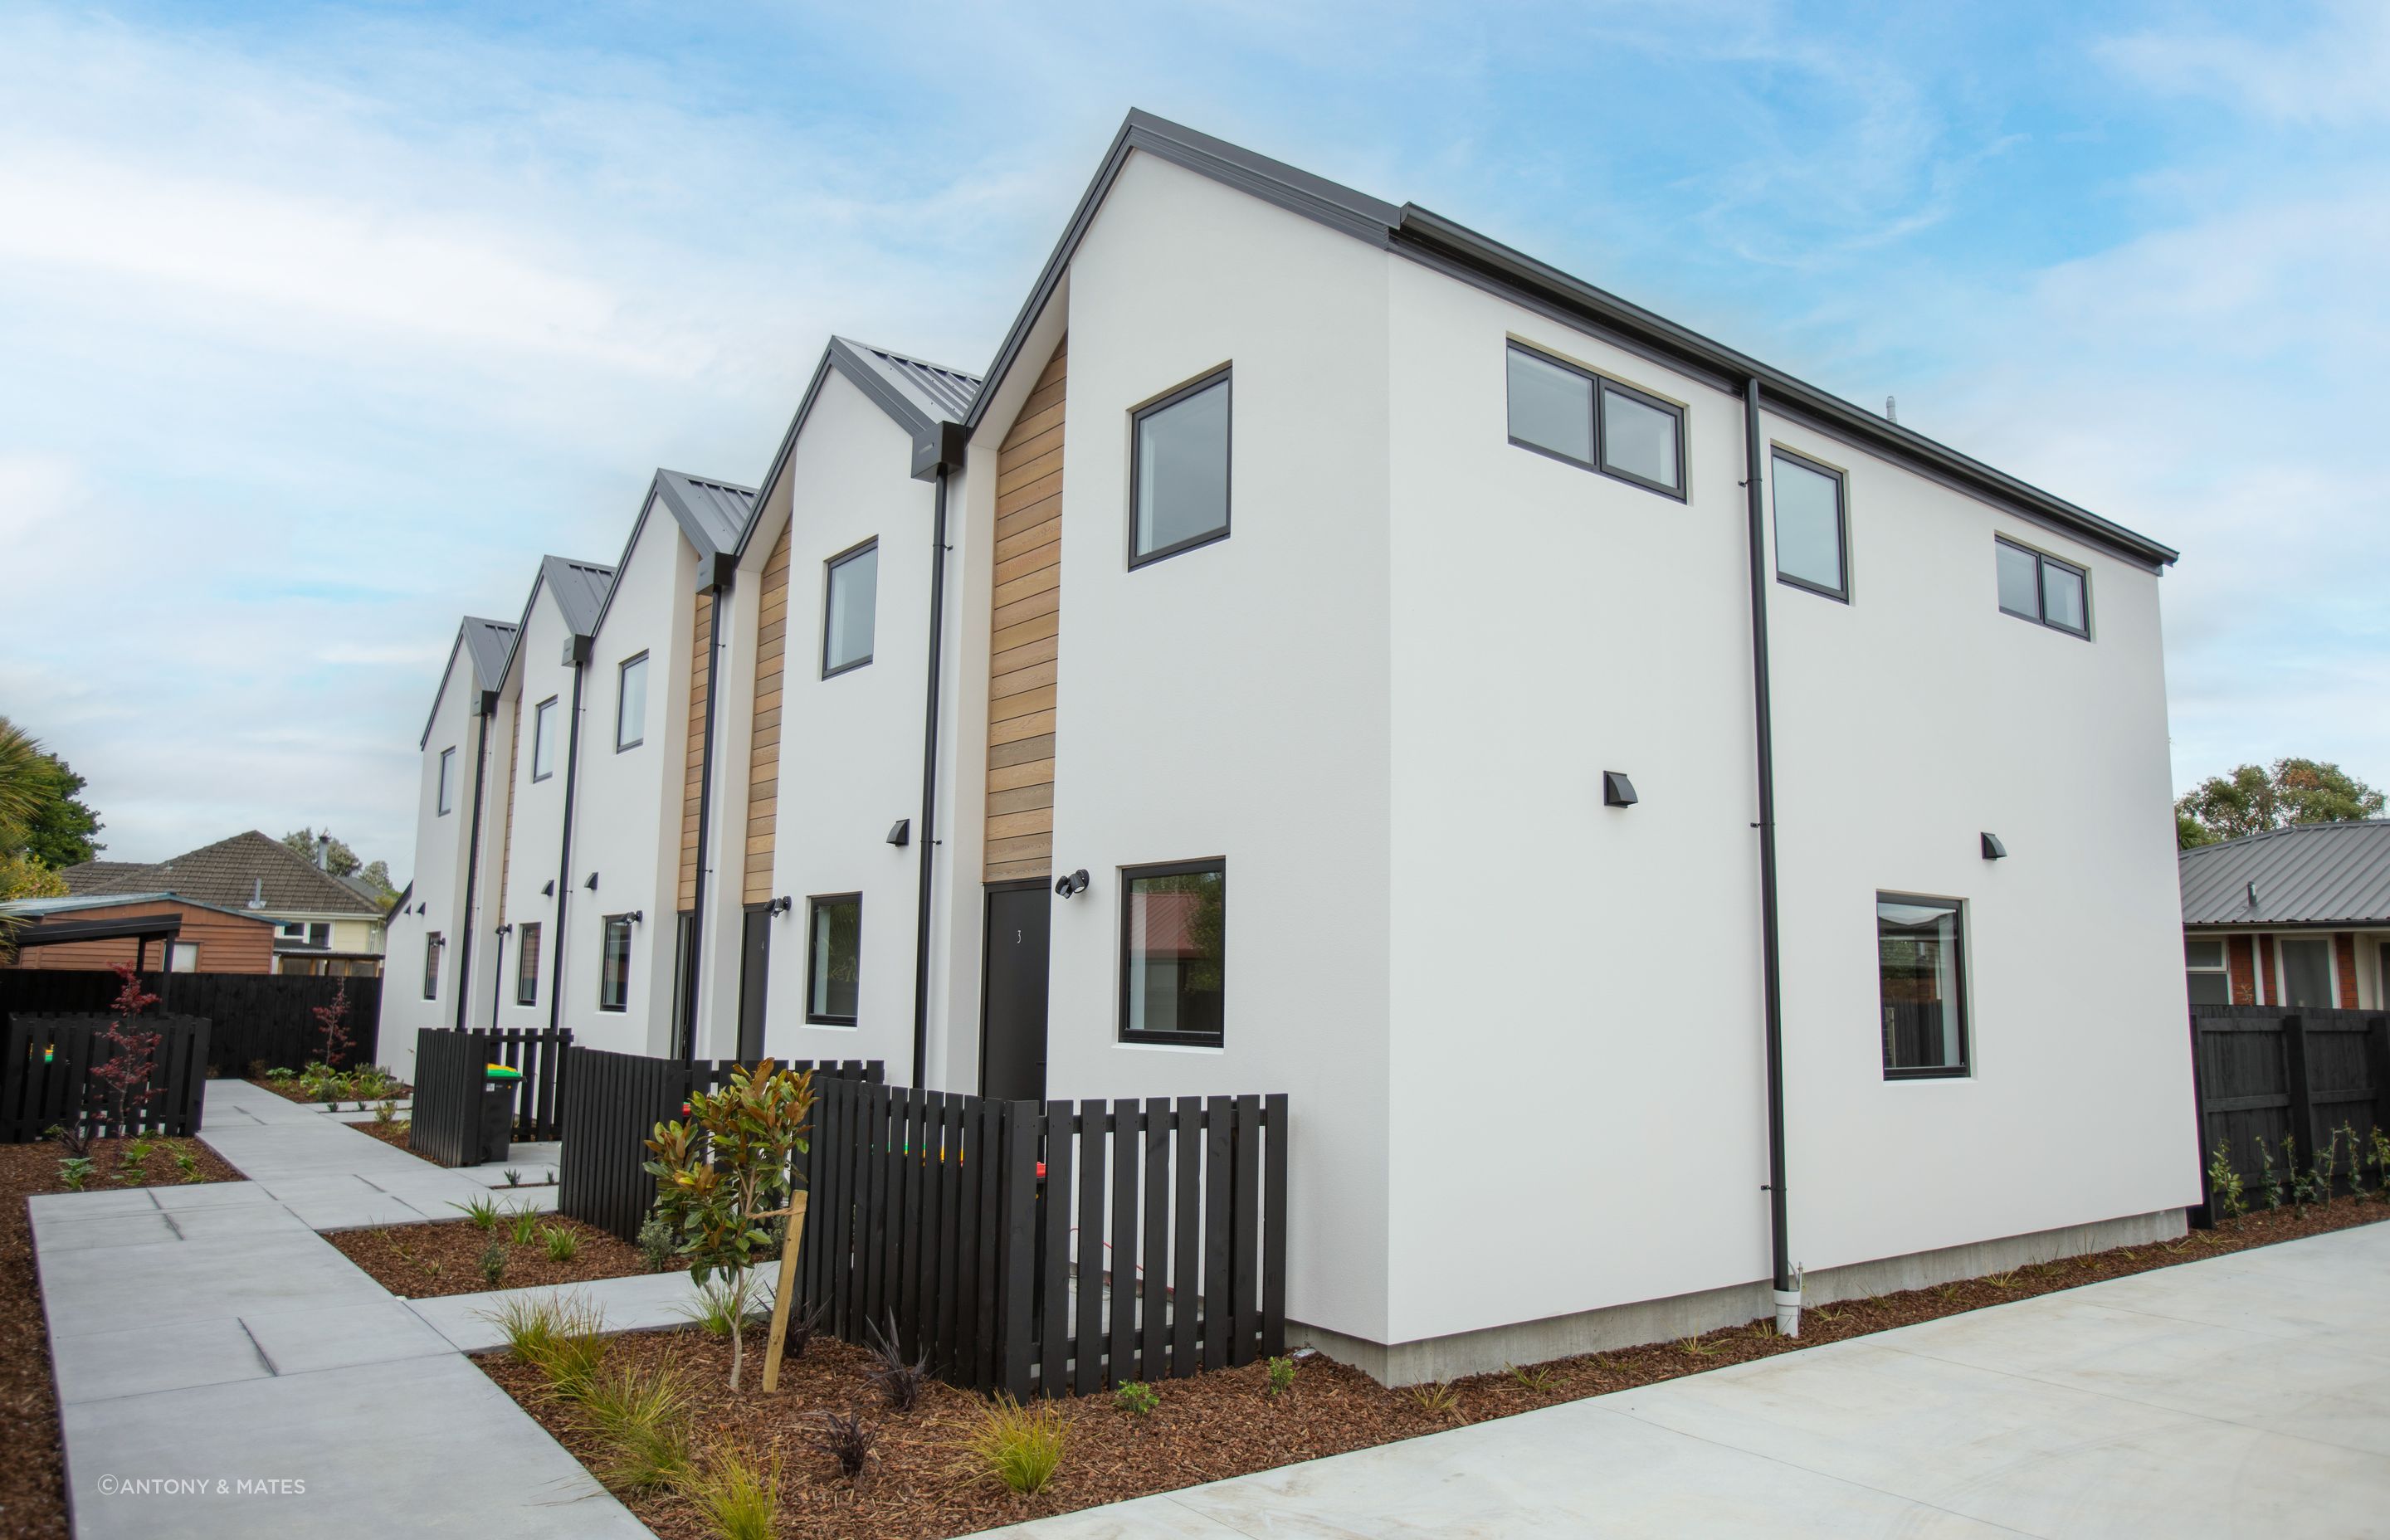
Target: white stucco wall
439, 880
538, 822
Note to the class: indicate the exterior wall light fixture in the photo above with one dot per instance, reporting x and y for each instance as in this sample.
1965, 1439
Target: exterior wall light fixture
1064, 887
1616, 790
547, 889
592, 883
780, 905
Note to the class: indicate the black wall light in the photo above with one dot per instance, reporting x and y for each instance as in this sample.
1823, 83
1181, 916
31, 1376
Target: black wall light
780, 905
1064, 887
1993, 848
900, 834
592, 883
547, 889
636, 916
1616, 790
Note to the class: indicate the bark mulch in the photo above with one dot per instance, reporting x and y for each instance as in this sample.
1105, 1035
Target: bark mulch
289, 1091
420, 1261
32, 1495
1225, 1423
392, 1132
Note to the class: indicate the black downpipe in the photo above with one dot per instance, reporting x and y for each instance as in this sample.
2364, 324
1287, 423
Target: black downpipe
564, 854
929, 841
472, 868
1771, 985
704, 816
498, 969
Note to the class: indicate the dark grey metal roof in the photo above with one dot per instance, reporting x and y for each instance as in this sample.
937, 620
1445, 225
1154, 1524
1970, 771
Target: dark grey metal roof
2309, 874
940, 394
491, 643
1432, 241
579, 588
713, 514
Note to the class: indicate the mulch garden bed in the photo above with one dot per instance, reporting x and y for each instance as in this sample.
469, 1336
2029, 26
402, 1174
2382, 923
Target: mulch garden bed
32, 1495
392, 1132
289, 1090
420, 1262
1224, 1423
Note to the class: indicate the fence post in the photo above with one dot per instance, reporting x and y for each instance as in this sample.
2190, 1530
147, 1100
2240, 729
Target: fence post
2202, 1216
2295, 1078
1017, 1243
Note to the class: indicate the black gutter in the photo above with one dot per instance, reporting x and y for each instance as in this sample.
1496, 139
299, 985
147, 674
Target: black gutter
577, 653
474, 862
929, 841
1771, 982
704, 811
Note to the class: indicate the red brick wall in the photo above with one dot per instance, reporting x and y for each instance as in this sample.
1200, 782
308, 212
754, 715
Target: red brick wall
2266, 986
2344, 957
2238, 958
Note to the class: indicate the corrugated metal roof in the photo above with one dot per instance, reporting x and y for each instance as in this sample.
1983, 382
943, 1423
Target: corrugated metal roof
943, 394
713, 514
491, 643
579, 588
2310, 874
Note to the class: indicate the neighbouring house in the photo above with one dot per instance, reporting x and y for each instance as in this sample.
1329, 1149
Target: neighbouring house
322, 923
101, 930
1327, 651
2293, 916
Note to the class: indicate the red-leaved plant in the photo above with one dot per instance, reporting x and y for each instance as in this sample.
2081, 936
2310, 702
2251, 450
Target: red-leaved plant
334, 1020
126, 1073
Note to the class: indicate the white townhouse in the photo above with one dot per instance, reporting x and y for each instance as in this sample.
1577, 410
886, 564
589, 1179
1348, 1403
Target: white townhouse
1676, 836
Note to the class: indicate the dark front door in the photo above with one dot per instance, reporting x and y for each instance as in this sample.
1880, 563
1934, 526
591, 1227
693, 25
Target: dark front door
754, 970
1012, 1031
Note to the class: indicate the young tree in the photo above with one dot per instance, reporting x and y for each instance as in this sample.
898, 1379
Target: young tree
126, 1075
333, 1019
2252, 801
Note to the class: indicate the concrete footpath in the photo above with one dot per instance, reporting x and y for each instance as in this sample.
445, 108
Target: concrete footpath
223, 1371
2244, 1395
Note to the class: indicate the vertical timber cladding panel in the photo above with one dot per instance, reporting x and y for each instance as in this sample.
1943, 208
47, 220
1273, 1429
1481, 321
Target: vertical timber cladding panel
1027, 625
764, 756
701, 644
506, 836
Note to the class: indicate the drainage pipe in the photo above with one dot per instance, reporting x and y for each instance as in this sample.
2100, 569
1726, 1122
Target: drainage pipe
1787, 1280
928, 840
577, 653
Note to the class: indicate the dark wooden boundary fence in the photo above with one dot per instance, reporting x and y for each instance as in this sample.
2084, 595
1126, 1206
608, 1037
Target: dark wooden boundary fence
607, 1105
256, 1017
2266, 1072
1051, 1249
450, 1075
46, 1080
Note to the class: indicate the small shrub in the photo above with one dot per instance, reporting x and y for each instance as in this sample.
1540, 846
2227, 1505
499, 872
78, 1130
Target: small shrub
1137, 1398
73, 1141
1281, 1372
2327, 1162
257, 1067
642, 1417
562, 1244
493, 1262
525, 1226
735, 1495
481, 1211
847, 1439
1438, 1399
900, 1384
2269, 1181
2356, 1161
2381, 1166
74, 1171
136, 1153
2225, 1183
559, 1335
804, 1321
1536, 1379
514, 1177
656, 1245
1696, 1346
2002, 1280
188, 1164
1017, 1448
385, 1111
722, 1306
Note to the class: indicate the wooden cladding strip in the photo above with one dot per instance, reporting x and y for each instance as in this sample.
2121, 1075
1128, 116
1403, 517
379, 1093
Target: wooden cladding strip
700, 642
764, 750
1025, 633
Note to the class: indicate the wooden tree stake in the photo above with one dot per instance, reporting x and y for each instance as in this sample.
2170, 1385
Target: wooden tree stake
796, 1213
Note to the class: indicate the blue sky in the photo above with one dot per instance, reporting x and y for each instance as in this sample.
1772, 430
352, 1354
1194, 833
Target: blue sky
323, 323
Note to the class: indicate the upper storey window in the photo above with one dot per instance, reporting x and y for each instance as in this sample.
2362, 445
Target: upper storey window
2038, 587
1601, 424
1179, 496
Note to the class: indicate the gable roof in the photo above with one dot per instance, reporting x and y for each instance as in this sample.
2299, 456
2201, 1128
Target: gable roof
1460, 252
225, 875
2308, 874
579, 589
490, 645
713, 514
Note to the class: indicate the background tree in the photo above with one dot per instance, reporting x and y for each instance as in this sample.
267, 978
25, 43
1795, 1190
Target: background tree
2251, 801
342, 861
59, 833
42, 825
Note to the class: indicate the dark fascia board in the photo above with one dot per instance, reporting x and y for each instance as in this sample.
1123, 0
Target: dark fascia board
2360, 922
708, 559
58, 932
935, 443
1460, 252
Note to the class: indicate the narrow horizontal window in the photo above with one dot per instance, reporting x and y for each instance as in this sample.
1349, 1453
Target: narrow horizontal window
543, 739
1921, 984
1809, 525
835, 961
614, 964
1173, 929
630, 704
2043, 589
1180, 497
850, 609
1596, 423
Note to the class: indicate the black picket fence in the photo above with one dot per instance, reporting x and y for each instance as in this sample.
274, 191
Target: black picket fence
1049, 1248
2263, 1073
608, 1103
264, 1018
47, 1079
452, 1078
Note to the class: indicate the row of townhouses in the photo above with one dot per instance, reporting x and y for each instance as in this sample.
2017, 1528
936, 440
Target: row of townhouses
1673, 834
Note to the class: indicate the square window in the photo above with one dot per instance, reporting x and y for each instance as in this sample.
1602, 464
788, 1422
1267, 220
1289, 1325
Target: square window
1552, 408
1809, 525
849, 609
1173, 934
320, 934
835, 962
527, 965
1638, 439
1180, 470
543, 739
2038, 587
614, 964
447, 780
2307, 972
1919, 967
630, 704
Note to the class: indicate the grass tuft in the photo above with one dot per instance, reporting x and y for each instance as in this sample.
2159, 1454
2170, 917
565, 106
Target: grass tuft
721, 1306
561, 1335
1538, 1380
642, 1415
734, 1495
1438, 1399
481, 1211
562, 1244
1017, 1447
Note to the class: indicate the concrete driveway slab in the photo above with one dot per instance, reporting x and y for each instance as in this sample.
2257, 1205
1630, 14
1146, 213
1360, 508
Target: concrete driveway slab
211, 1195
129, 1228
306, 1341
101, 1365
58, 1206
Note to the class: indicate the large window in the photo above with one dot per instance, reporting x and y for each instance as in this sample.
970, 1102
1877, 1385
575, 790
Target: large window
543, 739
2203, 968
1179, 496
834, 968
630, 704
2306, 972
431, 945
1588, 420
447, 780
2042, 588
1921, 974
1809, 526
850, 599
526, 965
1174, 928
614, 964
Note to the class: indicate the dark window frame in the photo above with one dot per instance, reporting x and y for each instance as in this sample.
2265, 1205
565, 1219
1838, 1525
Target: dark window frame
2042, 562
1965, 1068
621, 677
1128, 876
1841, 525
435, 946
1224, 378
814, 902
606, 924
1600, 464
527, 961
829, 577
538, 730
445, 792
